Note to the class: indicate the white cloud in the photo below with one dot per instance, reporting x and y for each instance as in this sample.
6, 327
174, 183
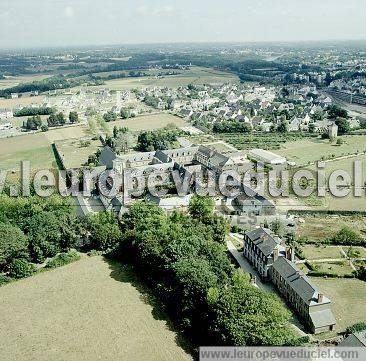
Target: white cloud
69, 12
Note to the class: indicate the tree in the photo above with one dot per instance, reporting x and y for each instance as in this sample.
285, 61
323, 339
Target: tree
357, 327
343, 125
123, 142
33, 123
335, 111
104, 230
283, 126
245, 315
60, 118
318, 115
346, 236
312, 128
44, 128
55, 120
110, 116
73, 117
339, 141
13, 244
277, 227
125, 113
201, 208
44, 236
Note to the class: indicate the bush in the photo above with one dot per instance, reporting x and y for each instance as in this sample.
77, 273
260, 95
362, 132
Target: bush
4, 280
21, 268
63, 259
322, 274
347, 236
360, 326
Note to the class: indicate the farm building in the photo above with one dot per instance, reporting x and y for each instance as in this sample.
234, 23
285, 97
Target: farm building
266, 157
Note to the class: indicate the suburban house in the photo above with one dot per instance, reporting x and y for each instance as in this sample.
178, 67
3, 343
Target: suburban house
310, 304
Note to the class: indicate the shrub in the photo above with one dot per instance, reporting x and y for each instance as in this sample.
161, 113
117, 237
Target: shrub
360, 326
4, 280
347, 236
21, 268
63, 259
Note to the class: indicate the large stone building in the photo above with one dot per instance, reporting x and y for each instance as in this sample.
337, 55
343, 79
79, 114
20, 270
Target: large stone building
309, 303
134, 169
259, 247
275, 262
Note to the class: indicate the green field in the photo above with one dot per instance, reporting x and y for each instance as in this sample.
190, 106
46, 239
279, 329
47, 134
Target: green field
348, 298
337, 268
318, 228
313, 149
321, 252
11, 81
76, 152
195, 75
35, 148
88, 310
149, 122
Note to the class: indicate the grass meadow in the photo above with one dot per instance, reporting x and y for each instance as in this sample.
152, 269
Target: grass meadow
91, 310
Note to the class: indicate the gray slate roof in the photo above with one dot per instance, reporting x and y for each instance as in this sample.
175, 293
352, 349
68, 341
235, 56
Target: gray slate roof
357, 339
298, 282
263, 239
244, 199
107, 156
322, 318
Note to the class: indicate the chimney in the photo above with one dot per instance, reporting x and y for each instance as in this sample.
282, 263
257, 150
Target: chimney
275, 254
290, 254
320, 297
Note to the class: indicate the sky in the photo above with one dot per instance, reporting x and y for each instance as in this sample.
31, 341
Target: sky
42, 23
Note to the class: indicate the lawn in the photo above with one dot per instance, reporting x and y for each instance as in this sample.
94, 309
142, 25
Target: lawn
23, 101
312, 149
361, 250
149, 122
322, 252
76, 151
90, 310
341, 268
349, 202
348, 297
